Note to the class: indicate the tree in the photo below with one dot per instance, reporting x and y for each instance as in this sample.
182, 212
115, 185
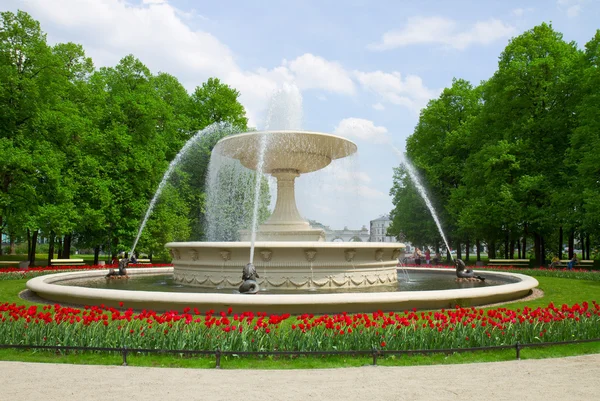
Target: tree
411, 220
438, 148
529, 106
583, 156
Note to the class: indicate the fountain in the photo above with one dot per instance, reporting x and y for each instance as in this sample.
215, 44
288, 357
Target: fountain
291, 252
300, 272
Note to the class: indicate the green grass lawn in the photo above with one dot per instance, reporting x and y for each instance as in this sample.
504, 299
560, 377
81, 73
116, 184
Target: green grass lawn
557, 290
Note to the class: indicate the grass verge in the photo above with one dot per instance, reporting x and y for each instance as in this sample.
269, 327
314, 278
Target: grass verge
557, 290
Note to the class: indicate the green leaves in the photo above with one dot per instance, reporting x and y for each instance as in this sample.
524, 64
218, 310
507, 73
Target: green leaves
84, 150
521, 150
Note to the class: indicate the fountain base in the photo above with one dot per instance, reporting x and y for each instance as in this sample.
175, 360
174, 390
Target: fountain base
293, 266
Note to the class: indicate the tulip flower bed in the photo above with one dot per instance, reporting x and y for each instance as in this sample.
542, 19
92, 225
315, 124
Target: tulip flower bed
192, 330
12, 273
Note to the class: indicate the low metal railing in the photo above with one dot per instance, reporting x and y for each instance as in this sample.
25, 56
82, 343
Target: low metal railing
374, 353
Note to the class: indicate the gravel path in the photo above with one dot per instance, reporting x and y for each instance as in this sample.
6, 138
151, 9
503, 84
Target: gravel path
572, 378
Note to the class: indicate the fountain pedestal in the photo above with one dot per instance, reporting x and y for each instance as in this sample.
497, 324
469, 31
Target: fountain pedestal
285, 223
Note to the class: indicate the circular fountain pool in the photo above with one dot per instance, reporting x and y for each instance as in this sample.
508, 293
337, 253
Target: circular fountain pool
422, 291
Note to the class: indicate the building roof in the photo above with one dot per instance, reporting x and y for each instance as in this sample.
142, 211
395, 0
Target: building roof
383, 217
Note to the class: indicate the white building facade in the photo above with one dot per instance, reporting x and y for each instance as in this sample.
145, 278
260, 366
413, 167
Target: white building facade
378, 230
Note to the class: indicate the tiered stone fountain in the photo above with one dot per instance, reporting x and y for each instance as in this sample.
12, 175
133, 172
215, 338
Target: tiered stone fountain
290, 254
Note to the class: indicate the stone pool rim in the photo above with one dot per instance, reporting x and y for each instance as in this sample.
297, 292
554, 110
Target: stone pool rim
45, 287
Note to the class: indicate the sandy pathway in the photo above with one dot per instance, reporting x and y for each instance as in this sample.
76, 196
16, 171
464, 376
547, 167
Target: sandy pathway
573, 378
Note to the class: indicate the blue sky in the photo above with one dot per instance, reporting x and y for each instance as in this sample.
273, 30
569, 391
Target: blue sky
364, 69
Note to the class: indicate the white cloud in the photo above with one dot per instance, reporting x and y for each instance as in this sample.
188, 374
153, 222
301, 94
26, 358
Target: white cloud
391, 87
519, 12
340, 172
160, 35
573, 11
359, 190
440, 30
362, 129
378, 106
314, 72
573, 7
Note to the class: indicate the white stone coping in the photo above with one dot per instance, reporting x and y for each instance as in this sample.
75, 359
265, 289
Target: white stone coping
287, 244
44, 287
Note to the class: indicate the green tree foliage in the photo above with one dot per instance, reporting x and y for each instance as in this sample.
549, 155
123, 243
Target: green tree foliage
584, 152
516, 157
83, 150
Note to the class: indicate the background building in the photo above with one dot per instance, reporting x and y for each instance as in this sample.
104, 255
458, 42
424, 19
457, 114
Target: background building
344, 235
379, 228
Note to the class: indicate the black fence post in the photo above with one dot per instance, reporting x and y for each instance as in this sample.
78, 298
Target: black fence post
518, 348
375, 353
218, 357
124, 355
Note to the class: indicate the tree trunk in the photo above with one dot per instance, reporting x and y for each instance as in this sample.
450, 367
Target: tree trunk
512, 249
150, 255
582, 236
12, 246
59, 249
518, 244
492, 250
506, 245
537, 249
1, 235
51, 247
458, 250
478, 243
560, 243
571, 243
525, 232
32, 243
467, 251
96, 254
587, 247
67, 247
543, 251
28, 244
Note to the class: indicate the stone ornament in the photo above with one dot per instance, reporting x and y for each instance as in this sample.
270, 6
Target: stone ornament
225, 255
266, 255
395, 253
311, 254
379, 255
349, 254
175, 254
194, 254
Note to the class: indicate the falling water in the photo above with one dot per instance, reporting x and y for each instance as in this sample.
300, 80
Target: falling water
259, 175
188, 145
421, 189
284, 113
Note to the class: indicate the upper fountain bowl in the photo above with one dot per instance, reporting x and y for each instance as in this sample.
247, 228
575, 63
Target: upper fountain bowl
302, 151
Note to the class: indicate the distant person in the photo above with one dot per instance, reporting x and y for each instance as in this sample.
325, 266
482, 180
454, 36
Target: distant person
417, 255
427, 256
573, 262
437, 258
554, 262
